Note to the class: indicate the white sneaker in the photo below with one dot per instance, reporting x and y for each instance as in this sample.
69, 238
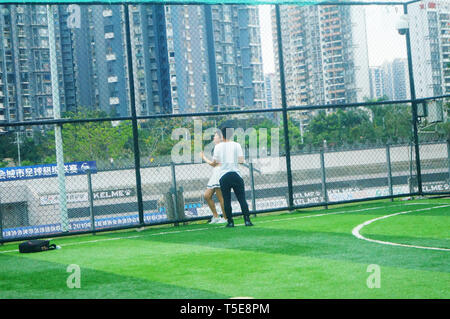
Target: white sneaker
214, 220
221, 220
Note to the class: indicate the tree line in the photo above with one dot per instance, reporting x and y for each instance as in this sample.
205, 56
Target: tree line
111, 143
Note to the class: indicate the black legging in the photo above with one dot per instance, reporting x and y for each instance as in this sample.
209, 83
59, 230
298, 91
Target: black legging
229, 181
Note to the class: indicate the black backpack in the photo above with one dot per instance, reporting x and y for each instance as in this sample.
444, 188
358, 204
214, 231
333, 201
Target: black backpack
33, 246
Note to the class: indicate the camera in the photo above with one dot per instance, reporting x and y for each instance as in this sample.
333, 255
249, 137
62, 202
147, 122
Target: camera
402, 25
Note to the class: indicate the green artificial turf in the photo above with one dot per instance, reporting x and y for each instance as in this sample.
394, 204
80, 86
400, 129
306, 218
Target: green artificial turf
305, 254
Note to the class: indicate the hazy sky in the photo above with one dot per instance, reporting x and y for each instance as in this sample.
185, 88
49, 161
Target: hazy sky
266, 38
383, 41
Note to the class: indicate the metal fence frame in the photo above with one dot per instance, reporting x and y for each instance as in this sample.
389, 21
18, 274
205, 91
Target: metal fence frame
284, 110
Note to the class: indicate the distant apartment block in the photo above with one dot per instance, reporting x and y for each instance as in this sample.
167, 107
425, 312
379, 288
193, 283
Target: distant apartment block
325, 54
396, 80
376, 83
25, 87
100, 60
430, 41
269, 83
197, 58
234, 57
185, 59
152, 52
390, 81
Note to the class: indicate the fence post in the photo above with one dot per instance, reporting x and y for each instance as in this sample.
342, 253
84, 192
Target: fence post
91, 201
62, 191
287, 147
174, 193
324, 178
410, 179
414, 106
448, 159
252, 184
137, 156
389, 167
1, 223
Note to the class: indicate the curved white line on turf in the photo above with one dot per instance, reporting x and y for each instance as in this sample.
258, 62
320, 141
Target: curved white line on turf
209, 228
357, 229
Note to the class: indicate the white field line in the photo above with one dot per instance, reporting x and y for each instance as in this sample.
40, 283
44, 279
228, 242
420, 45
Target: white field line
357, 229
116, 238
343, 212
209, 228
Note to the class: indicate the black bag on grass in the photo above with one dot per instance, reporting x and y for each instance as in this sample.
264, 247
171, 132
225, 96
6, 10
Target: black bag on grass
34, 246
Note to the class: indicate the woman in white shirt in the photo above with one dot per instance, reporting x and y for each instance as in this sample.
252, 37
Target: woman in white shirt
212, 187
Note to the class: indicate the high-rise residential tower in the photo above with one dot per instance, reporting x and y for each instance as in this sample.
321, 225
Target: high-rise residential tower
325, 54
376, 83
395, 79
25, 86
185, 58
429, 23
217, 58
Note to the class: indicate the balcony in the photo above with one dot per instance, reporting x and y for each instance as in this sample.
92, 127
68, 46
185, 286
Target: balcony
107, 13
114, 100
137, 30
113, 79
110, 57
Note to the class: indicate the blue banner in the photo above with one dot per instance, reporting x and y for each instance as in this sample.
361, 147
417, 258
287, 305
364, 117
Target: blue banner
39, 230
45, 170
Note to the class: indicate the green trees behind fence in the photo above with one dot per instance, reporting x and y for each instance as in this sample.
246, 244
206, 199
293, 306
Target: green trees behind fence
111, 142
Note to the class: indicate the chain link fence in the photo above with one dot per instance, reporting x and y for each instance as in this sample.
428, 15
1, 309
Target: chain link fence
104, 110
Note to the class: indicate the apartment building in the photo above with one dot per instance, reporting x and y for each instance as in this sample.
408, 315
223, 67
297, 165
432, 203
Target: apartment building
429, 24
376, 83
185, 59
325, 54
25, 80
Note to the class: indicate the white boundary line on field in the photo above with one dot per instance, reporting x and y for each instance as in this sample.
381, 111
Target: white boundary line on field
357, 229
116, 238
209, 228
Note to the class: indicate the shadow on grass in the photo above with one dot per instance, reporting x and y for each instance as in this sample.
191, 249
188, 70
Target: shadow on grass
34, 279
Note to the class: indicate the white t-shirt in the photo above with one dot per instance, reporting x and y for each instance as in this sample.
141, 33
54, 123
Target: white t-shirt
227, 154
